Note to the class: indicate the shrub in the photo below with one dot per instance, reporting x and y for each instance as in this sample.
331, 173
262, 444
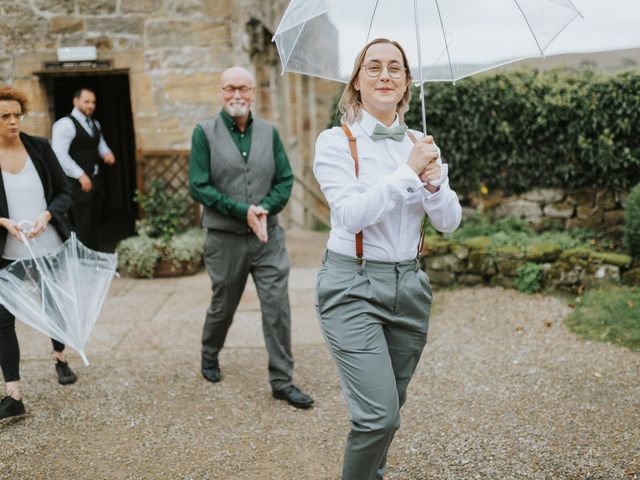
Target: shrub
631, 234
164, 214
138, 256
529, 277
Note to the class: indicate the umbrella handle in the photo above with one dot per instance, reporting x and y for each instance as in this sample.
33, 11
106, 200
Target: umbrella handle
24, 223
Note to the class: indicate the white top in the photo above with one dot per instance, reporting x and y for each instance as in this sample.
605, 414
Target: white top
386, 202
25, 199
63, 133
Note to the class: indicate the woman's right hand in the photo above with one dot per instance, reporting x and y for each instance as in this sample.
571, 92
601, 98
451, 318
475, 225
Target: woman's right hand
12, 227
423, 153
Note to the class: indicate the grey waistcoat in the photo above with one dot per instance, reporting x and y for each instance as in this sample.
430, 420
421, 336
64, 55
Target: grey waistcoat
246, 181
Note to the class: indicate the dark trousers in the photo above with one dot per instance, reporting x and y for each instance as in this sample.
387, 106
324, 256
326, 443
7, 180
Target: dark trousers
9, 348
86, 210
229, 259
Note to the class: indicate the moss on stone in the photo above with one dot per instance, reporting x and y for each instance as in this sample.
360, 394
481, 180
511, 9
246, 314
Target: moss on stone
578, 252
543, 252
509, 251
433, 244
478, 243
618, 259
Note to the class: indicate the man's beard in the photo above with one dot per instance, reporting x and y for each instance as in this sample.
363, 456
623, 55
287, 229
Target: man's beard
236, 110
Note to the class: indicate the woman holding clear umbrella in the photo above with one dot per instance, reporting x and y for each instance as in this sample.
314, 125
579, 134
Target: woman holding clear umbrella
372, 298
32, 187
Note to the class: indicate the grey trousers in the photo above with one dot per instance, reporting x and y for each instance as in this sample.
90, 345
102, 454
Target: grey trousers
374, 318
230, 258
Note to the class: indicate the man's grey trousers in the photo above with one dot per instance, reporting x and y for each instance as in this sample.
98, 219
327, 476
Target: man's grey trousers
374, 318
230, 258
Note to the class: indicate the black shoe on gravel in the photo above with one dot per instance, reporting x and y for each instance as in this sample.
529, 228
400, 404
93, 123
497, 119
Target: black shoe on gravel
10, 407
65, 374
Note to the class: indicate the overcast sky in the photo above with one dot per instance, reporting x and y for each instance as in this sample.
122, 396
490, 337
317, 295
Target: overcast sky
607, 25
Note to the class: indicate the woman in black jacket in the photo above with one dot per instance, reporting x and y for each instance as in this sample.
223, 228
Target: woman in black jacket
32, 187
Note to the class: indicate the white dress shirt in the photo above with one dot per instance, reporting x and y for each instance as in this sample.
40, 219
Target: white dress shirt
63, 133
386, 202
25, 201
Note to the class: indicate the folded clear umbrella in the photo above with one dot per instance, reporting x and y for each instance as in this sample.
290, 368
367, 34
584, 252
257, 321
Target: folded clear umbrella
445, 40
59, 293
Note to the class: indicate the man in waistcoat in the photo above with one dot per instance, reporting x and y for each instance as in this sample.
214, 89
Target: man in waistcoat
240, 173
81, 149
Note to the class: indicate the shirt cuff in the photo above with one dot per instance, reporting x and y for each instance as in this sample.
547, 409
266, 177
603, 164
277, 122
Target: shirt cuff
437, 196
239, 210
406, 180
76, 173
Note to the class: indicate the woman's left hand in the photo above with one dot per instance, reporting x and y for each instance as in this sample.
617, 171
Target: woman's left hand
40, 224
432, 172
434, 176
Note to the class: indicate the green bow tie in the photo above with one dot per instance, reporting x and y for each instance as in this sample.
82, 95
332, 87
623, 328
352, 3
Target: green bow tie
395, 133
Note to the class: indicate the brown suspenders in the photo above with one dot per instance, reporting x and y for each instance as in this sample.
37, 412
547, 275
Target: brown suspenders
353, 148
354, 154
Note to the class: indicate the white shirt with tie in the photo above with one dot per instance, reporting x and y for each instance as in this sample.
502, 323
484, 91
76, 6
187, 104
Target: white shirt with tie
63, 133
387, 201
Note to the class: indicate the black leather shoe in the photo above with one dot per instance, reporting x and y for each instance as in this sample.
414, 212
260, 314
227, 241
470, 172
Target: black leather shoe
294, 396
10, 407
65, 374
211, 371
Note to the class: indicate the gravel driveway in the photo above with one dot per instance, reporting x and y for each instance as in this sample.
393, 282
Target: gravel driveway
503, 391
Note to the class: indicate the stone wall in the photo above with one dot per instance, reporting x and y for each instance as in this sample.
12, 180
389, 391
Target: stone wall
175, 51
556, 209
475, 262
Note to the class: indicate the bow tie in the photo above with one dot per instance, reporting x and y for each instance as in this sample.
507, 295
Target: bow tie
394, 133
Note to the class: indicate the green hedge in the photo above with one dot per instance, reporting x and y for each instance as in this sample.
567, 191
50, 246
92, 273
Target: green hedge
632, 221
520, 129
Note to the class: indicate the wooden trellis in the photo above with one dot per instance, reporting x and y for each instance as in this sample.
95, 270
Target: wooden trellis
172, 167
169, 166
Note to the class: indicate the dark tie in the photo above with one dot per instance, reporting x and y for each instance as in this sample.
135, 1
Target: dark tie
92, 126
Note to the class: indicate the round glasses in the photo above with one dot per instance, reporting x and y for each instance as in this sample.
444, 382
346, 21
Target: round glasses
230, 90
5, 117
374, 70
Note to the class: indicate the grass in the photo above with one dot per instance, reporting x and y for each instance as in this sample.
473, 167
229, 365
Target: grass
609, 314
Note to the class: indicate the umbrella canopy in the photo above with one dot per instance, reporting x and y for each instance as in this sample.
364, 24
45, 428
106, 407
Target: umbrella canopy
445, 40
61, 293
452, 38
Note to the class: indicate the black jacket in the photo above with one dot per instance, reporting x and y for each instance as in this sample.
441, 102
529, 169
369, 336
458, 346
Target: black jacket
57, 191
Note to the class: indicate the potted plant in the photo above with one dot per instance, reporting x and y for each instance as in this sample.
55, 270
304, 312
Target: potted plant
164, 244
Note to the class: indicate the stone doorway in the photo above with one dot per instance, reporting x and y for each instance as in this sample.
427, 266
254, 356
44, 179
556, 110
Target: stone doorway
113, 111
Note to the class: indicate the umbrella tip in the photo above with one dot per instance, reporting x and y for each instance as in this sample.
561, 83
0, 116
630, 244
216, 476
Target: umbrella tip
85, 360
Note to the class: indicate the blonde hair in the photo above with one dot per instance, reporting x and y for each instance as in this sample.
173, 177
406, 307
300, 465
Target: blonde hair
350, 104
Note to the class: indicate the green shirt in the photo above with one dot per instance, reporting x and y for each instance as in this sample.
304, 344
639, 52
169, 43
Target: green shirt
200, 172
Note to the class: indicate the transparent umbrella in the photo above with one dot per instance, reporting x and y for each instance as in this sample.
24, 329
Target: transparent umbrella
60, 293
445, 40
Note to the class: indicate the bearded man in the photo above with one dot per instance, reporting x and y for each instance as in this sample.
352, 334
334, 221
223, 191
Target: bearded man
240, 173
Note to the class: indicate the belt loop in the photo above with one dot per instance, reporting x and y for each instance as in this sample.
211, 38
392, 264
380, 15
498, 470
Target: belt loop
324, 256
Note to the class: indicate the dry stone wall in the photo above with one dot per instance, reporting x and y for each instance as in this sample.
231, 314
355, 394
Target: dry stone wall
556, 209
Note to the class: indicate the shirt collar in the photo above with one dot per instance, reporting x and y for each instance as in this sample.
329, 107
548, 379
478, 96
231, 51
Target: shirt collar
230, 122
78, 114
369, 122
